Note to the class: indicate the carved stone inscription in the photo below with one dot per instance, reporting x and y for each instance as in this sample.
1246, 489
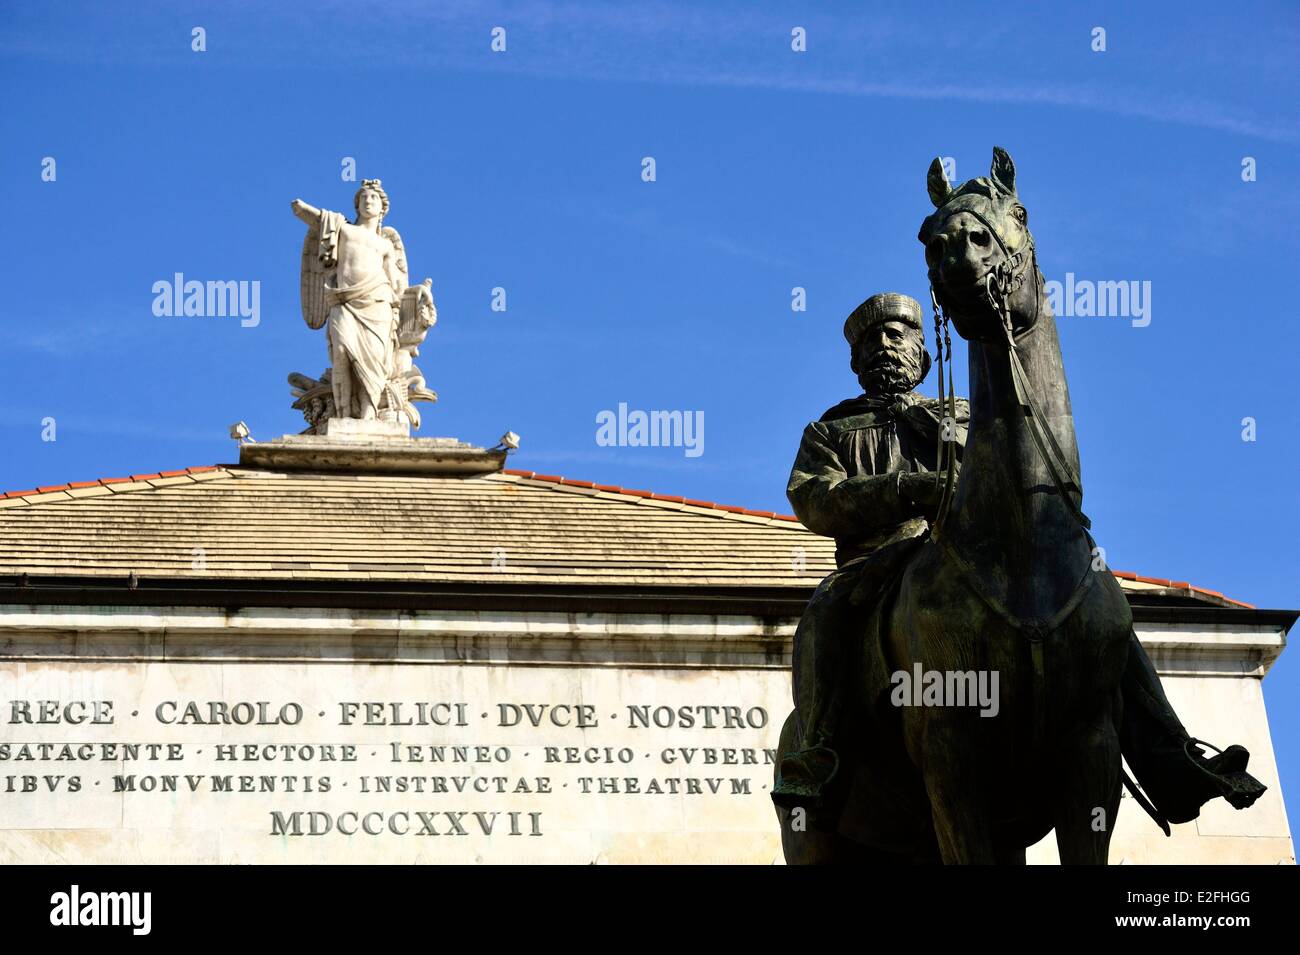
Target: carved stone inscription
217, 762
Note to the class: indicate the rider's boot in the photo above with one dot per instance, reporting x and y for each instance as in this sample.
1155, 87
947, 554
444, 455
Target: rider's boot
804, 778
806, 774
1175, 775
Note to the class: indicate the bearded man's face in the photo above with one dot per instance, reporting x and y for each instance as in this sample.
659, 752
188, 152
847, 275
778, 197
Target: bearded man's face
887, 359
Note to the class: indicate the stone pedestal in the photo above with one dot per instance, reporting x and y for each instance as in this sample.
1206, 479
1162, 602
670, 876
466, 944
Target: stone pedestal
368, 449
374, 428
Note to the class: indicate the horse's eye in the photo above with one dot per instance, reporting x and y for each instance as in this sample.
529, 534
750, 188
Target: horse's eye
1021, 215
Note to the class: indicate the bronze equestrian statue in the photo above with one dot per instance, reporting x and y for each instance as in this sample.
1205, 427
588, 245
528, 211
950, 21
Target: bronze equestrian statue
994, 575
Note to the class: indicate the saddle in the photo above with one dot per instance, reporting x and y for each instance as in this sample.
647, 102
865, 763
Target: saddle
876, 588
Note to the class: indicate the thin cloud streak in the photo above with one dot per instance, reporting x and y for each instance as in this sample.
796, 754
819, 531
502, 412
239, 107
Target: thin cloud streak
589, 41
1139, 107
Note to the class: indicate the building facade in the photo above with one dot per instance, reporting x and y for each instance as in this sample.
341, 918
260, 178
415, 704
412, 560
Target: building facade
336, 656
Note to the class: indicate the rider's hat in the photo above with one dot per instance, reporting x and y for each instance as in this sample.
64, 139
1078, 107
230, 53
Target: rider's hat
885, 307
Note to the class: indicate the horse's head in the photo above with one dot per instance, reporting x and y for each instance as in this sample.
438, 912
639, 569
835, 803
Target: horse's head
979, 251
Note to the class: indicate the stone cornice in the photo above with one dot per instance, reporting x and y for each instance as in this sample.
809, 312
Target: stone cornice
517, 637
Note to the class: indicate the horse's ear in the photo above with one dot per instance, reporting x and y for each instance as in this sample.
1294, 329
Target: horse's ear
936, 183
1004, 170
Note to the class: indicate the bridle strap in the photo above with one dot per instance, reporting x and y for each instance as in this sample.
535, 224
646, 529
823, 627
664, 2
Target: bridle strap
1058, 466
1035, 631
1006, 277
1000, 283
1011, 271
945, 454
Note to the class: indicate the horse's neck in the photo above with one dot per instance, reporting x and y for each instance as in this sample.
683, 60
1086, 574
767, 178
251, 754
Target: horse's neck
1007, 519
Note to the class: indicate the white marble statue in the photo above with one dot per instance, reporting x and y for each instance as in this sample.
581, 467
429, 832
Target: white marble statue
354, 282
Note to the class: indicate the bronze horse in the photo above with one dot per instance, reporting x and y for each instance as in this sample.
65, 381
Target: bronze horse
1007, 583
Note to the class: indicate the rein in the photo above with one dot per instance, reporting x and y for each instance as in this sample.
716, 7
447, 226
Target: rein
945, 456
1058, 466
999, 284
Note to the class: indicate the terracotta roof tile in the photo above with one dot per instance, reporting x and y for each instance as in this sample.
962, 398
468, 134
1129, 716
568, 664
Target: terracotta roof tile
1178, 585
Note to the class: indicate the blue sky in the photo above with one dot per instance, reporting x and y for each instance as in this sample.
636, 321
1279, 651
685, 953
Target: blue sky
775, 169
